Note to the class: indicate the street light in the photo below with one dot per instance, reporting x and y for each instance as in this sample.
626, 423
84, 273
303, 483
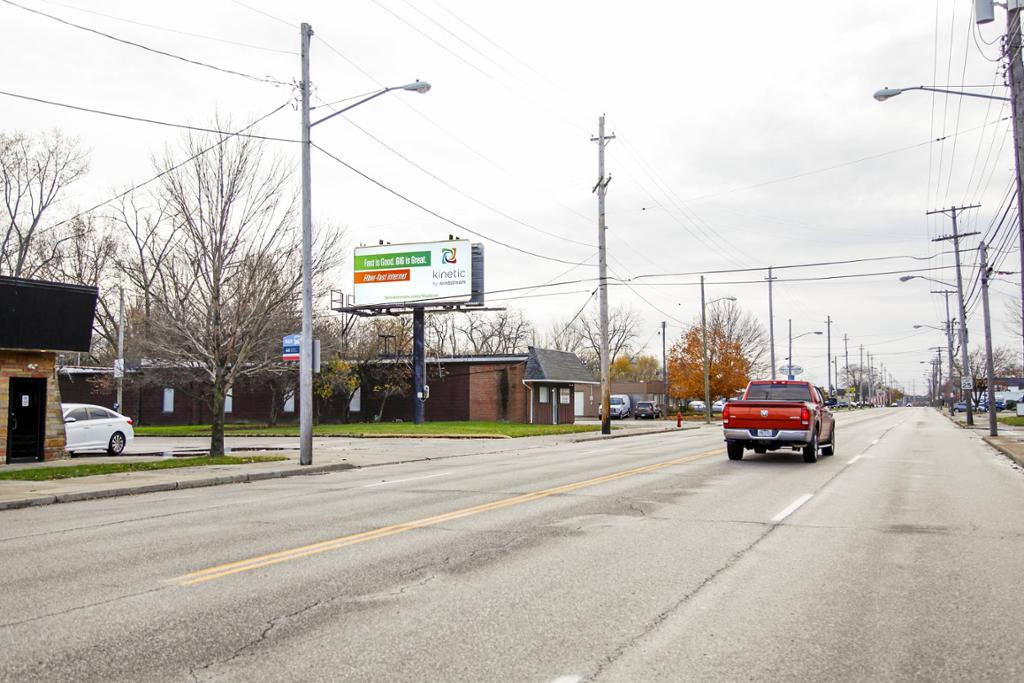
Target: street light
704, 347
1015, 73
888, 93
908, 278
789, 366
950, 289
306, 345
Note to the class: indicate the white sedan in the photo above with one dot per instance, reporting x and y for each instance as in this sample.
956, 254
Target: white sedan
90, 428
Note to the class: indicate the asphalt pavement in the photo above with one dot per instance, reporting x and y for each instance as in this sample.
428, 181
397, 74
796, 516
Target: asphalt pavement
651, 558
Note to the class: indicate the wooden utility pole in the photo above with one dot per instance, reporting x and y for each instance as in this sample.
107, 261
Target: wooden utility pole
601, 188
990, 374
966, 382
828, 354
1015, 69
771, 322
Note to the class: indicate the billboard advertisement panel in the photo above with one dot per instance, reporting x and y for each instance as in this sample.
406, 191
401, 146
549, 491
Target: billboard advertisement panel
422, 272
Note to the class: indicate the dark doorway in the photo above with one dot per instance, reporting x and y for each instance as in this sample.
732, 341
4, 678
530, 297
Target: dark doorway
26, 420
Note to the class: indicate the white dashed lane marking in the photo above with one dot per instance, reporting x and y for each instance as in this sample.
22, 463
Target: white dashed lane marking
793, 507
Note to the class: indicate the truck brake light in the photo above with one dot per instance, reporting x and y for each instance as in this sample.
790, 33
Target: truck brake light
805, 415
725, 413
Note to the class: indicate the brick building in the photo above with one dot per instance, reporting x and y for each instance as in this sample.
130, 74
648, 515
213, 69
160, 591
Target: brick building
523, 387
38, 319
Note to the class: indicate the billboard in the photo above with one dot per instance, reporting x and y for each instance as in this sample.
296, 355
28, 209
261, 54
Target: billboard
422, 272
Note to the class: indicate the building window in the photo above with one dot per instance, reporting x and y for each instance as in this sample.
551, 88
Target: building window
229, 400
544, 397
289, 403
564, 396
168, 400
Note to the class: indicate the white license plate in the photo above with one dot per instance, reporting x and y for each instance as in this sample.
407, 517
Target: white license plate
764, 432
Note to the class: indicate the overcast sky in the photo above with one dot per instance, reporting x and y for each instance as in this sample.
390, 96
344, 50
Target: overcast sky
746, 137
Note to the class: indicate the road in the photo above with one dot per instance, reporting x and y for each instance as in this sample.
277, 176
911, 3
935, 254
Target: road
647, 558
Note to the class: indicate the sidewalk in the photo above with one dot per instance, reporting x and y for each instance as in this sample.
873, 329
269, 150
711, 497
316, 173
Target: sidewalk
330, 454
1010, 441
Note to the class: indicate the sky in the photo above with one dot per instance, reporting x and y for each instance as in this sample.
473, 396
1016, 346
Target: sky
746, 137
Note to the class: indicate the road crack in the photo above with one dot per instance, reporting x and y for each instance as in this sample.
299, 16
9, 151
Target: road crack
662, 616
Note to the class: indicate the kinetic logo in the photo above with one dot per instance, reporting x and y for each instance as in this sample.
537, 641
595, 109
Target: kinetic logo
448, 255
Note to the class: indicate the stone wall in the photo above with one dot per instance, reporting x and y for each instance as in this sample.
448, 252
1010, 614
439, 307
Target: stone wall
38, 364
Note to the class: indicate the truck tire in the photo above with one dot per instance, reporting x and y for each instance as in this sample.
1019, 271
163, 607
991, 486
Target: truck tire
734, 449
811, 450
830, 449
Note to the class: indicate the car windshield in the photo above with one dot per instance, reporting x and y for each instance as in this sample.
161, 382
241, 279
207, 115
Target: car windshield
778, 392
616, 401
643, 405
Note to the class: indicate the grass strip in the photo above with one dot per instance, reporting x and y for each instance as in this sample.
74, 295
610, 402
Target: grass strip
479, 429
89, 470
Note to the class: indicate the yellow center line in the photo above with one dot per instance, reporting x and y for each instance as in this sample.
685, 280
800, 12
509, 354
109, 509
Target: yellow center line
222, 570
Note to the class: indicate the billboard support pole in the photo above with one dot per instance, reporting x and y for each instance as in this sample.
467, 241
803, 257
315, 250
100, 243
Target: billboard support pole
418, 364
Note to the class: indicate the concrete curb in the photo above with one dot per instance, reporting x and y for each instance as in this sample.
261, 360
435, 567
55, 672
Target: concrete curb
171, 486
991, 441
602, 437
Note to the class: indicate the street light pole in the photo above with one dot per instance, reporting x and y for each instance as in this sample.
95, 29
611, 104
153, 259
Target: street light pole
771, 322
1016, 73
949, 344
828, 354
789, 365
306, 343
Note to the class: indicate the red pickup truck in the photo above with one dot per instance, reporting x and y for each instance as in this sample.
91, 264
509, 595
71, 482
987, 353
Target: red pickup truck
776, 414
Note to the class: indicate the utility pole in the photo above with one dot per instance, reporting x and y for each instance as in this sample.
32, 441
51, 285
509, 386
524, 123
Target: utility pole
771, 321
966, 382
949, 345
306, 344
704, 349
789, 360
846, 353
828, 353
1016, 73
601, 188
860, 376
835, 368
119, 365
871, 379
990, 373
664, 369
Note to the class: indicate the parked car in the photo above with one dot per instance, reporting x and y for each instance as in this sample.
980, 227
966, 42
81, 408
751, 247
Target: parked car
960, 406
697, 406
620, 407
646, 409
95, 428
776, 414
718, 406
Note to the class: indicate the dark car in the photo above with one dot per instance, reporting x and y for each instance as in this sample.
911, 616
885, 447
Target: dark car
647, 409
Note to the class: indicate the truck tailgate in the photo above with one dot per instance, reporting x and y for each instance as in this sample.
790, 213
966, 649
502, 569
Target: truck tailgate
765, 415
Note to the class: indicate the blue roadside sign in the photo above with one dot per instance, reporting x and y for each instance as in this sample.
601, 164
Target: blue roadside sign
290, 347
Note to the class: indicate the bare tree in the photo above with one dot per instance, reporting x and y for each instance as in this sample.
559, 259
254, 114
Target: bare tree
501, 332
583, 335
740, 326
34, 173
233, 269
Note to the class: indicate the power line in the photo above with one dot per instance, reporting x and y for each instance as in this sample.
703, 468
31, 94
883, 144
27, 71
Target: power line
851, 162
289, 24
170, 30
195, 62
141, 119
455, 189
161, 174
439, 216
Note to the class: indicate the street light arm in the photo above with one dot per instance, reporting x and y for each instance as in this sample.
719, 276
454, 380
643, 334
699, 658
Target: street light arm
418, 86
887, 93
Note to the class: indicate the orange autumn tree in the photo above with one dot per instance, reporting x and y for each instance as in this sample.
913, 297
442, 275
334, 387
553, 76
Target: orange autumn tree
728, 368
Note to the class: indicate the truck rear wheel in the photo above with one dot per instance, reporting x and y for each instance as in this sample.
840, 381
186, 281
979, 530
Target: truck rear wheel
811, 449
830, 449
734, 449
